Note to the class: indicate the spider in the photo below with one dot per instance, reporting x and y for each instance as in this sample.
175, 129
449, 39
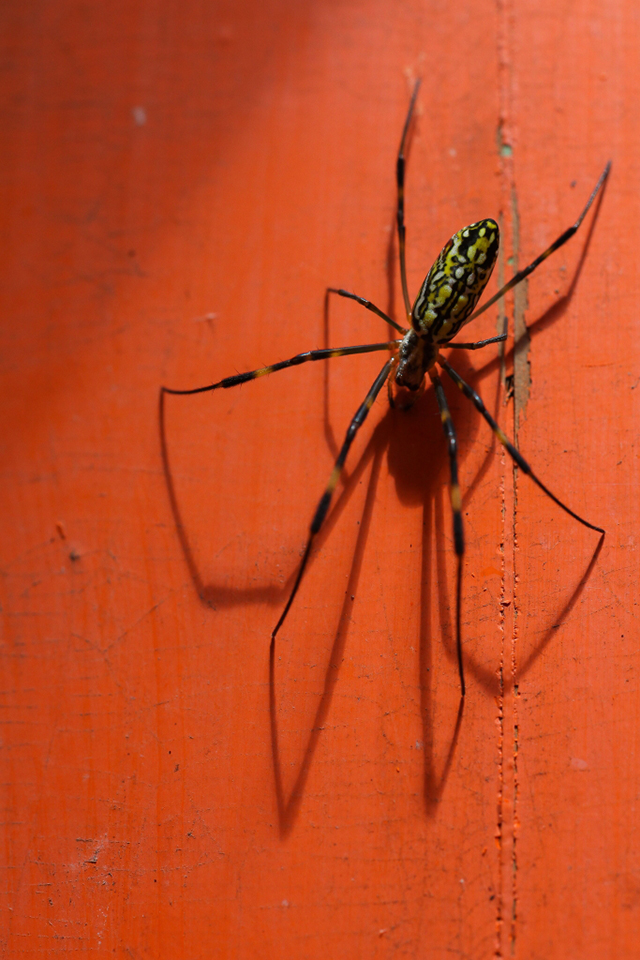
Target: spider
445, 303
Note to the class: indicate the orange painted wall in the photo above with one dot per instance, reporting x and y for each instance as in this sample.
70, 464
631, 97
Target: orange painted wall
181, 183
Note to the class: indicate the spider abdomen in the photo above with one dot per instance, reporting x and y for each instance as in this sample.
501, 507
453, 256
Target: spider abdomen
455, 282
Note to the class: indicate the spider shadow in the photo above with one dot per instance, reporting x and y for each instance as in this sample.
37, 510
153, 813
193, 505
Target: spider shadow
416, 480
417, 462
416, 453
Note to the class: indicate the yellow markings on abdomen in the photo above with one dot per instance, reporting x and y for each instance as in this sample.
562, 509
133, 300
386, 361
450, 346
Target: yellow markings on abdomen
444, 293
455, 282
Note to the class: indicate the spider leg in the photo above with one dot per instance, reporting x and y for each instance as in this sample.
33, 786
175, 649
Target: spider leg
325, 500
456, 506
562, 239
515, 455
299, 358
478, 343
400, 164
369, 306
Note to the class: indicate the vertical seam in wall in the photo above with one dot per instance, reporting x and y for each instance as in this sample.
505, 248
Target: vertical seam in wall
521, 392
503, 84
507, 790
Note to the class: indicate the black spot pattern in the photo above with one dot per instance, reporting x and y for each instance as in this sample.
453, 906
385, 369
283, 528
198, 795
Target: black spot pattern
455, 282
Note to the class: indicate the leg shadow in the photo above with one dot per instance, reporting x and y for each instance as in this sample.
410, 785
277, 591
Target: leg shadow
288, 807
433, 783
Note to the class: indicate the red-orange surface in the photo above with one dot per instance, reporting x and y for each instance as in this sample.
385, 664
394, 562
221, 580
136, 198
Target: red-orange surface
180, 184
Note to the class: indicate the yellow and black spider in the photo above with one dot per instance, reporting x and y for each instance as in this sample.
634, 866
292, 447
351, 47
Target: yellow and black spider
444, 304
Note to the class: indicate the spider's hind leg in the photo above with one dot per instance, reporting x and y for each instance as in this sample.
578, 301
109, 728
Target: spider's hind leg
456, 506
325, 500
513, 452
